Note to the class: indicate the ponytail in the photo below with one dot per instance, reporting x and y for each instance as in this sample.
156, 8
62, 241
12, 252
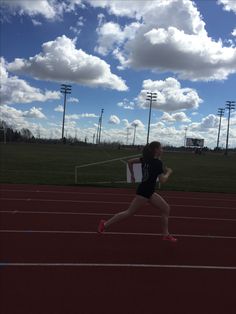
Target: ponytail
149, 150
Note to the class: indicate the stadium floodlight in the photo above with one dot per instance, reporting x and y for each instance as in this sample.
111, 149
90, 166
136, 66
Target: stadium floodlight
230, 105
99, 128
185, 136
220, 113
135, 127
127, 134
150, 97
65, 89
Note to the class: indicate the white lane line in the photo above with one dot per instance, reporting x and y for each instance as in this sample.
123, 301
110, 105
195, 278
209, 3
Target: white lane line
115, 233
19, 212
58, 200
103, 202
116, 265
123, 194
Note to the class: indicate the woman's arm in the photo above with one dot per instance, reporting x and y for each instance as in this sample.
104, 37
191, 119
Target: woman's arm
131, 169
163, 178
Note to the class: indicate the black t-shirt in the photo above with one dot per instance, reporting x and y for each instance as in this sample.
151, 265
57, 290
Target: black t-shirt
151, 169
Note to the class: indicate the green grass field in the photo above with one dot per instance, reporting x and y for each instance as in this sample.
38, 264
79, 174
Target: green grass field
55, 163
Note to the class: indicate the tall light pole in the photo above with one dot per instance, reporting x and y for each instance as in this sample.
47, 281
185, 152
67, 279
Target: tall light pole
220, 113
100, 126
127, 135
135, 126
65, 89
75, 134
97, 132
151, 97
230, 105
185, 136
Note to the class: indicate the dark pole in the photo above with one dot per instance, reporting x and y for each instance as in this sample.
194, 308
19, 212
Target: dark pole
151, 97
100, 127
135, 126
127, 135
230, 105
185, 137
65, 89
97, 130
220, 114
64, 112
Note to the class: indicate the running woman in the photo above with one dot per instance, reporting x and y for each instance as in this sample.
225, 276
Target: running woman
152, 168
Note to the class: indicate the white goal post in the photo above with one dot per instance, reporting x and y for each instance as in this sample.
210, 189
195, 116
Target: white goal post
137, 169
100, 163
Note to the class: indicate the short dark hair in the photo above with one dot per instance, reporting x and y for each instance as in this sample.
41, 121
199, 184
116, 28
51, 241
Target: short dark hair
149, 150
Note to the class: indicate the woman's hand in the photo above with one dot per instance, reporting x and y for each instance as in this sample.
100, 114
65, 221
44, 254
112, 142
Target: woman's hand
169, 171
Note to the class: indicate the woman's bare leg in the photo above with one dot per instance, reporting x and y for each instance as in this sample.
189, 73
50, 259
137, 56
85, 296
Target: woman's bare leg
158, 202
137, 203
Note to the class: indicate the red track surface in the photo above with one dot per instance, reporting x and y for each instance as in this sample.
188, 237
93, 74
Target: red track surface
53, 261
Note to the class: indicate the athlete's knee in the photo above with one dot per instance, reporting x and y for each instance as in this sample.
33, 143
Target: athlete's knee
130, 211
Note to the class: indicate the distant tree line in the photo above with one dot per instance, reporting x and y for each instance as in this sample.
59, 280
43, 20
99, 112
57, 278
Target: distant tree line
13, 135
26, 136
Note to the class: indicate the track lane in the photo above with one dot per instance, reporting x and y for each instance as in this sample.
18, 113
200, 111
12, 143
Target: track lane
132, 224
115, 197
111, 191
129, 291
115, 248
102, 290
113, 207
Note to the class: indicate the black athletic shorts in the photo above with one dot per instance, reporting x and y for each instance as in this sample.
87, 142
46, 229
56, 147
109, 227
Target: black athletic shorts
145, 190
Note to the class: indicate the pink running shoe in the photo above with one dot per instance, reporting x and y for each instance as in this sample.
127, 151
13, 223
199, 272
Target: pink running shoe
101, 226
169, 238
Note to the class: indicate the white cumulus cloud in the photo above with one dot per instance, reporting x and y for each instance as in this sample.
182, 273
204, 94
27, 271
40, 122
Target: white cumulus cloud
17, 91
111, 34
170, 95
209, 122
73, 99
228, 5
126, 104
59, 108
49, 9
170, 37
19, 118
131, 124
34, 113
191, 56
46, 8
234, 32
81, 115
137, 123
36, 23
61, 61
114, 120
175, 117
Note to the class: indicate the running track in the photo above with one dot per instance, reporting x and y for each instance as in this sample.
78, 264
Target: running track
54, 262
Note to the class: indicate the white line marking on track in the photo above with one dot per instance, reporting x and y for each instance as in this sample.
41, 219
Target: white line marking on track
19, 212
115, 233
103, 202
123, 194
106, 265
60, 200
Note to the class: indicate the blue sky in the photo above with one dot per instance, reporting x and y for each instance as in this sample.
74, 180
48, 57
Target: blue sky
112, 53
